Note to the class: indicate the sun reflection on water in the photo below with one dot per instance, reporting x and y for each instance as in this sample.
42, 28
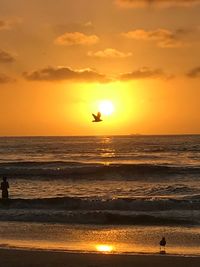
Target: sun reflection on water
106, 150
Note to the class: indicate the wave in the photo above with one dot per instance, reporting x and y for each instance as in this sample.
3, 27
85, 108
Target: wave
100, 204
173, 189
93, 170
99, 217
142, 211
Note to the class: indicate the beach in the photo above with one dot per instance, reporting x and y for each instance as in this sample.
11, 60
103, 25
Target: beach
100, 133
22, 258
72, 199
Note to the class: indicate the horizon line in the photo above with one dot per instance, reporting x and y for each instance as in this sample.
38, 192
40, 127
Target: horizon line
99, 135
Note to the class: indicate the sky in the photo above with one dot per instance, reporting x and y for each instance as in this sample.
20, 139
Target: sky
61, 59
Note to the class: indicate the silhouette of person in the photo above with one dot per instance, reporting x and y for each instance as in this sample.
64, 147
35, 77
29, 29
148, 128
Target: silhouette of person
162, 245
4, 188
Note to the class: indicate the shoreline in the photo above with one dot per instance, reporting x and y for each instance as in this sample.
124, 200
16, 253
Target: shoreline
85, 252
119, 240
16, 258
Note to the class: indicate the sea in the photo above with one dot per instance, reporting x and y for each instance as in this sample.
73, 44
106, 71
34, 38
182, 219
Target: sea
105, 194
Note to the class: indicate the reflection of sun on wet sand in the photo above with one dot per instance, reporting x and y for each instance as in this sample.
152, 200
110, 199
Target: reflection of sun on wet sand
105, 248
15, 258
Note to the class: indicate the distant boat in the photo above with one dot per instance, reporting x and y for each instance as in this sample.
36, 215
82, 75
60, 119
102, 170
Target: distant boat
136, 134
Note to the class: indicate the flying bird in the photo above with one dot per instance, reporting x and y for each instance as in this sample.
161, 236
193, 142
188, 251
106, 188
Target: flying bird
97, 118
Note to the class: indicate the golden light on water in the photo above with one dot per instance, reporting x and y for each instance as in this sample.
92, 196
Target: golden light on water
104, 248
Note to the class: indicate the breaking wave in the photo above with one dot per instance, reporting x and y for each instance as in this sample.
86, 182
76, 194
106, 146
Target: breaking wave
93, 170
103, 217
119, 211
119, 204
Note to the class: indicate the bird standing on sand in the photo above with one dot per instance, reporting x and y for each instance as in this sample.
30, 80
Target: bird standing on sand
97, 118
162, 245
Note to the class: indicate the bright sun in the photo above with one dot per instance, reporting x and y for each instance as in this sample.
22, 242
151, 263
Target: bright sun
106, 107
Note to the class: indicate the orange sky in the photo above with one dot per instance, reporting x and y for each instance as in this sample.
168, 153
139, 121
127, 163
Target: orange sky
60, 59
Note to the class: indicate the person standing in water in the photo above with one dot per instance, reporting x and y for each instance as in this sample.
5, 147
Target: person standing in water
4, 188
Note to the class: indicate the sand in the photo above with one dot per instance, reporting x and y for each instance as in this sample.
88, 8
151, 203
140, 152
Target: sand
23, 258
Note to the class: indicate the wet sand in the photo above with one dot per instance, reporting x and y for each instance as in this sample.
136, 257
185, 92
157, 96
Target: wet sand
23, 258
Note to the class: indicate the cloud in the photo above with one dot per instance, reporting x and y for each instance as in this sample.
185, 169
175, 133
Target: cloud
194, 73
88, 24
163, 37
7, 24
76, 38
86, 27
156, 3
88, 75
144, 73
6, 57
3, 25
5, 79
65, 73
109, 53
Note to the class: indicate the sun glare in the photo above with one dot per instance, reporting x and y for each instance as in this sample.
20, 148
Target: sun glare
104, 248
106, 107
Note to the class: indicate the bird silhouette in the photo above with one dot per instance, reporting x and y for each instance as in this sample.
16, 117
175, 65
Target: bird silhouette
97, 118
162, 245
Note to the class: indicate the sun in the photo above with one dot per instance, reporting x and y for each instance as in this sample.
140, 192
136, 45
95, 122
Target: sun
106, 107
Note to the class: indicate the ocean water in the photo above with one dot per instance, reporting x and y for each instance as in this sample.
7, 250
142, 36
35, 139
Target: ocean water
112, 181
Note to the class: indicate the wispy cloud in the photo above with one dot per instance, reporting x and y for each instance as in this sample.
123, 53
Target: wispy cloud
88, 24
3, 25
56, 74
65, 73
163, 37
76, 38
6, 57
7, 24
109, 53
5, 79
156, 3
144, 73
86, 27
194, 73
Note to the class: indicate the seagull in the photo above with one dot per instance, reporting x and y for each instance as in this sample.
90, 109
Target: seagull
162, 245
97, 118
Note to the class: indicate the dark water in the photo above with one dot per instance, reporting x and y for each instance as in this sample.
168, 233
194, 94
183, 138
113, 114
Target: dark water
103, 180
